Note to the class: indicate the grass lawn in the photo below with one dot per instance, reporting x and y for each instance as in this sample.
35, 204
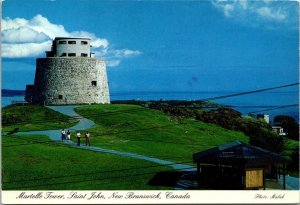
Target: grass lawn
153, 133
33, 162
55, 166
33, 117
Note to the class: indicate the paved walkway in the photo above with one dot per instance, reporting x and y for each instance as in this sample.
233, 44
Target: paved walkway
86, 124
291, 183
55, 135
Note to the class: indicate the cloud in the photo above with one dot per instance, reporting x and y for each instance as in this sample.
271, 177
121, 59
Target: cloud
128, 53
23, 35
227, 9
244, 4
119, 53
113, 56
264, 13
269, 13
40, 24
112, 63
31, 38
24, 49
95, 42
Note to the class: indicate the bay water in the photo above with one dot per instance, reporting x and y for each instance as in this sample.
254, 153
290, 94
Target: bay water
263, 102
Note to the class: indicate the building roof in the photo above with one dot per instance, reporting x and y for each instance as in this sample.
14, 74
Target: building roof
238, 153
276, 127
58, 38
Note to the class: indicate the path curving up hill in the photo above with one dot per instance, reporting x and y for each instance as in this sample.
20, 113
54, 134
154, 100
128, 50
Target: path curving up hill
84, 124
55, 135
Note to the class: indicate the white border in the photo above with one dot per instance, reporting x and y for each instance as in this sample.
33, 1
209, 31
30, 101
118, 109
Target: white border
188, 197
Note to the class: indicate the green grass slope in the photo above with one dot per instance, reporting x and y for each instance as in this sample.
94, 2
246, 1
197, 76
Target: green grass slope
149, 132
33, 117
35, 163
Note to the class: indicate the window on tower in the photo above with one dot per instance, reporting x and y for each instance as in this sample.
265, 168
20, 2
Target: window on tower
62, 42
71, 54
71, 42
84, 54
84, 42
94, 83
60, 97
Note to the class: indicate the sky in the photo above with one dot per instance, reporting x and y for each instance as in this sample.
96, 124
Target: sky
160, 46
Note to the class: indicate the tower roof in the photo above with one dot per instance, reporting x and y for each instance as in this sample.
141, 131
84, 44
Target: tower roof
58, 38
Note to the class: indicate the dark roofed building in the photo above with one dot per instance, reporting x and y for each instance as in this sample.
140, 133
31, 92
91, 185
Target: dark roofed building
237, 165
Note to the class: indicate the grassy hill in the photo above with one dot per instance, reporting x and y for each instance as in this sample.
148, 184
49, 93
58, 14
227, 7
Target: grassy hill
33, 117
149, 132
34, 163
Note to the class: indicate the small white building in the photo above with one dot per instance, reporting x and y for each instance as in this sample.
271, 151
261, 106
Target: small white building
279, 130
266, 117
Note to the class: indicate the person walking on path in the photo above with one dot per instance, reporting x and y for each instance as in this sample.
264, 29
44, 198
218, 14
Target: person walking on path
78, 138
63, 135
87, 139
69, 135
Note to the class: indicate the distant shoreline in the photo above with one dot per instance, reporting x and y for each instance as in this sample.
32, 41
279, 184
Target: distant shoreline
257, 103
11, 93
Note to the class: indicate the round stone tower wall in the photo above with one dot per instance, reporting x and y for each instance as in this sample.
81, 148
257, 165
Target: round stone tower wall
62, 81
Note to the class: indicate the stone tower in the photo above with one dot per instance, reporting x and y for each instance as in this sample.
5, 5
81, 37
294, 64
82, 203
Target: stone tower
70, 74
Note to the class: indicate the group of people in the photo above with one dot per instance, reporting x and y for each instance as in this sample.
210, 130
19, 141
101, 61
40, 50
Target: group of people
67, 135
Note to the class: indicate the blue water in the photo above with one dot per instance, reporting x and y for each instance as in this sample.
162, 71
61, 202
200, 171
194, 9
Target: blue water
8, 100
256, 102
